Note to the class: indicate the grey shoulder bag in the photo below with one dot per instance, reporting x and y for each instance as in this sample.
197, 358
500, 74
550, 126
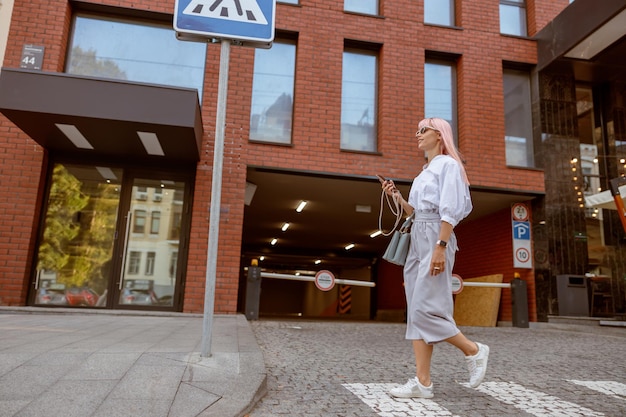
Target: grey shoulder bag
398, 247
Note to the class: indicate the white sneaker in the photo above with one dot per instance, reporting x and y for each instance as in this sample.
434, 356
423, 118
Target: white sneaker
412, 389
477, 365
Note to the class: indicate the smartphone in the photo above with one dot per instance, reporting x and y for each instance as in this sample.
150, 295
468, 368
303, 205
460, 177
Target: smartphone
381, 179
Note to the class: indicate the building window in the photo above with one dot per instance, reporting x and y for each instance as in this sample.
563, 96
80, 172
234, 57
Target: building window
134, 260
513, 17
173, 264
179, 196
518, 119
141, 193
157, 195
358, 100
135, 51
150, 260
439, 12
361, 6
139, 221
175, 222
155, 222
272, 93
440, 91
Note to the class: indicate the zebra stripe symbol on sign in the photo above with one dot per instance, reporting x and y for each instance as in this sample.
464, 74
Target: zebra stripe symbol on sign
247, 11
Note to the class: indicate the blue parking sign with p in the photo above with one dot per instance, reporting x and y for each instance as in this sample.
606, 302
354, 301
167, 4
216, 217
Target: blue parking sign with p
521, 230
246, 20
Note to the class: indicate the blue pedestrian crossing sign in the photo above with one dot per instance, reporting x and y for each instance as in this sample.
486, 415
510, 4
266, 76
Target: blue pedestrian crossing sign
242, 20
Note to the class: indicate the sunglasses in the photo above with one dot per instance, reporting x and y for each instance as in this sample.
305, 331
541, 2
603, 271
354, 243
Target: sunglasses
424, 129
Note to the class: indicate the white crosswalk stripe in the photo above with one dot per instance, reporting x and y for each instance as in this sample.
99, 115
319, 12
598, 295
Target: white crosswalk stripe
615, 389
530, 401
247, 11
533, 402
375, 395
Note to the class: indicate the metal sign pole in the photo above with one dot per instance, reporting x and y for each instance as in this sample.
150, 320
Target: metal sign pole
216, 196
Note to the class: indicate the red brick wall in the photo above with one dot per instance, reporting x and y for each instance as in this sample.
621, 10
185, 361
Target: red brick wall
541, 12
21, 159
20, 170
486, 248
322, 27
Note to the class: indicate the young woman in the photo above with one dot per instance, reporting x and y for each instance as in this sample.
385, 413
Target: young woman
440, 199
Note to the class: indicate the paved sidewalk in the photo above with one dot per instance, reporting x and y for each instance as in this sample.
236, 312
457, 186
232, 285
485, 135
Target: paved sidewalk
68, 362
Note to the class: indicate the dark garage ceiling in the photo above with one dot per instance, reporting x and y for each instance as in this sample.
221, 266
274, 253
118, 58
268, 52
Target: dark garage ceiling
330, 220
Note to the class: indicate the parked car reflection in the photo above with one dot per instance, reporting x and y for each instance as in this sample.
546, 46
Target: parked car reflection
81, 297
166, 300
52, 295
141, 292
137, 296
138, 292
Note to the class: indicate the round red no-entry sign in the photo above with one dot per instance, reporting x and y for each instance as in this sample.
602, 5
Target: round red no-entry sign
324, 280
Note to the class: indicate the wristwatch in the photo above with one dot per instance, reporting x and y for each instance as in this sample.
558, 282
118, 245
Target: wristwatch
442, 243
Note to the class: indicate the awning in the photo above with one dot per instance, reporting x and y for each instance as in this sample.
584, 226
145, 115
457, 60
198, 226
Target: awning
91, 116
588, 35
604, 199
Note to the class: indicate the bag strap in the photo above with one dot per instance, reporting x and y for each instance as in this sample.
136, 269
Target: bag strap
406, 226
396, 210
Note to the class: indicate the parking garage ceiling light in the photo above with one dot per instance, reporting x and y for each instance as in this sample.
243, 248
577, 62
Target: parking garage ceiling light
350, 246
301, 206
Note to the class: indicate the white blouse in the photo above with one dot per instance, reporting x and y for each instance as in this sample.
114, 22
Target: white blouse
441, 187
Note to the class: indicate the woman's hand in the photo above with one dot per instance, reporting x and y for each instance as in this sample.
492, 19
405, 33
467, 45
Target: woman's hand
438, 260
389, 188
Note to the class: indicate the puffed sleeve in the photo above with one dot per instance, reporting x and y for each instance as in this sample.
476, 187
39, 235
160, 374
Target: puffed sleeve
455, 202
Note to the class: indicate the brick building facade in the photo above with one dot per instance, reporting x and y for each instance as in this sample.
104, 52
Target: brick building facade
38, 103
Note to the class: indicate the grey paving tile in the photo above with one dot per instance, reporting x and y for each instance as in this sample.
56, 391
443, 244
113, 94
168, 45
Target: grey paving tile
124, 407
68, 399
104, 366
58, 358
9, 408
10, 361
127, 347
149, 382
191, 401
27, 382
164, 359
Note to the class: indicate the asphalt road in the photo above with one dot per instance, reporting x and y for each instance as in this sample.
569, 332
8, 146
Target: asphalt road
345, 369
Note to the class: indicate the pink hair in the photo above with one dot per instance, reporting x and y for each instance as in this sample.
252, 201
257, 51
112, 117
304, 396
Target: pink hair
447, 140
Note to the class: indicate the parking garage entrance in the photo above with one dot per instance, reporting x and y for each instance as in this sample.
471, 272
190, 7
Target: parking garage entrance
110, 237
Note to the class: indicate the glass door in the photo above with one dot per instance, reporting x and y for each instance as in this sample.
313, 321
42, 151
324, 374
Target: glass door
111, 238
75, 252
151, 245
